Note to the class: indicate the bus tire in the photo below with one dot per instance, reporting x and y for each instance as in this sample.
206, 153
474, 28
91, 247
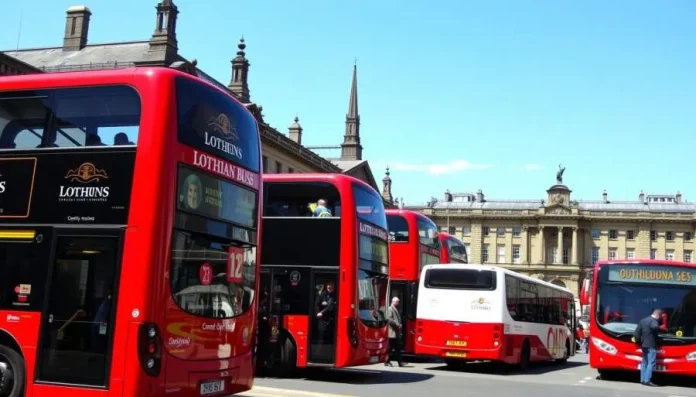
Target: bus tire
12, 373
453, 363
288, 357
525, 355
566, 354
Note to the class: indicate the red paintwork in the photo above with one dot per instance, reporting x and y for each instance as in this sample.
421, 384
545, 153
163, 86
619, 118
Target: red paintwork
444, 251
144, 283
628, 355
480, 339
405, 264
298, 327
346, 354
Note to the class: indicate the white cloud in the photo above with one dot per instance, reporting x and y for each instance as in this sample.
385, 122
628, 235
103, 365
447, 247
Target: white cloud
533, 167
439, 169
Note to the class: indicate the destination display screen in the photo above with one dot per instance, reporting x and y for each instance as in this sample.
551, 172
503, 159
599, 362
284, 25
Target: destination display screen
653, 274
215, 198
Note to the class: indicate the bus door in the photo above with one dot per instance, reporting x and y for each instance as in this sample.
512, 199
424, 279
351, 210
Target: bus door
78, 325
399, 289
322, 329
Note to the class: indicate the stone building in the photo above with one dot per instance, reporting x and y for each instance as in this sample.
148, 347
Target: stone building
558, 238
281, 153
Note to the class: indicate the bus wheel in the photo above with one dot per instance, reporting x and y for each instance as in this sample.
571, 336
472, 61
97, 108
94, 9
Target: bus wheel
12, 373
566, 354
525, 356
288, 358
454, 363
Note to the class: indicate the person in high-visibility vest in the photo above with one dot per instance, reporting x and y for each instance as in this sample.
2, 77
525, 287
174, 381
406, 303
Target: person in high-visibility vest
321, 211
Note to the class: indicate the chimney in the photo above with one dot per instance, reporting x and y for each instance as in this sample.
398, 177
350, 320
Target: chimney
679, 197
479, 196
76, 28
641, 197
604, 196
295, 131
448, 196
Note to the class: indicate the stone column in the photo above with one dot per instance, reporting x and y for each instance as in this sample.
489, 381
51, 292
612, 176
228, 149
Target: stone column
524, 247
542, 246
558, 260
574, 248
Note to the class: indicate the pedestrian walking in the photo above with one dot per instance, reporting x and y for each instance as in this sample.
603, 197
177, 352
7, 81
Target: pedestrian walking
395, 327
646, 335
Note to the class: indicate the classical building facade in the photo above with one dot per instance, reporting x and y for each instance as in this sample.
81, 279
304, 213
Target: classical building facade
282, 153
558, 239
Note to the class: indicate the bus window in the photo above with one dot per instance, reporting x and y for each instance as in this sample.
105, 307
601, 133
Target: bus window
398, 229
22, 118
460, 279
296, 199
427, 231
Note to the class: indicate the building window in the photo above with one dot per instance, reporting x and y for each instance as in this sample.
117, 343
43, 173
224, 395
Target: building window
595, 255
516, 231
613, 234
687, 236
565, 256
554, 254
466, 231
669, 236
484, 254
653, 235
595, 233
265, 163
279, 167
501, 231
485, 230
501, 254
291, 170
630, 235
653, 254
452, 230
669, 255
612, 254
630, 253
515, 254
687, 256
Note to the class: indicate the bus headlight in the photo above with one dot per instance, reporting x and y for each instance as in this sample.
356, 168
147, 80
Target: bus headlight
691, 356
604, 346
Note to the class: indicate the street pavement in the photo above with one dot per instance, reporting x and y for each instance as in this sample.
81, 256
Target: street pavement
434, 379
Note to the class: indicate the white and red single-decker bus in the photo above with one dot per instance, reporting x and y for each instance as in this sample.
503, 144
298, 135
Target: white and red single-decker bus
478, 312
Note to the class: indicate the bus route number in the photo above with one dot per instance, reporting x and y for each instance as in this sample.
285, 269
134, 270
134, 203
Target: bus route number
235, 265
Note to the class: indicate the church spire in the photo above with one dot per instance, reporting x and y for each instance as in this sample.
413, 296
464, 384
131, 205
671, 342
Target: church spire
351, 149
239, 83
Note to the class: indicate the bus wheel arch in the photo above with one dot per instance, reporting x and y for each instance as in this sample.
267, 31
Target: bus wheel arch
566, 353
12, 367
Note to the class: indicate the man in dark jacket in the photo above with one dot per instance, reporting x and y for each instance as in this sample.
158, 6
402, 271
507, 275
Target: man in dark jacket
646, 335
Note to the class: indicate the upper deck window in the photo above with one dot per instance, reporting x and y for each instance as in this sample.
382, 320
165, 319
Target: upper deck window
211, 121
299, 199
427, 232
398, 228
71, 117
369, 206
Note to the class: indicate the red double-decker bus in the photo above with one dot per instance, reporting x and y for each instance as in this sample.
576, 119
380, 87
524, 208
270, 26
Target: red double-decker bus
128, 235
324, 273
452, 249
625, 292
413, 243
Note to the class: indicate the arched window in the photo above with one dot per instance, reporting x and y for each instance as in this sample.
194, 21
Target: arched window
558, 283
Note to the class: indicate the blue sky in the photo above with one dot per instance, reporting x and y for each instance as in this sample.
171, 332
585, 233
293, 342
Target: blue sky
457, 95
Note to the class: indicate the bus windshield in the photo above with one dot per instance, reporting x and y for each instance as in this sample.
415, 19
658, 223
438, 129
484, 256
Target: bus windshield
627, 294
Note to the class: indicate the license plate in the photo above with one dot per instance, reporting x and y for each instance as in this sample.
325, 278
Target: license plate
212, 387
658, 368
456, 354
461, 343
374, 359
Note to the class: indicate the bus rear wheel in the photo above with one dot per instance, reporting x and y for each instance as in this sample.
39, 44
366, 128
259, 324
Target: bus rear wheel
566, 355
12, 373
288, 358
525, 355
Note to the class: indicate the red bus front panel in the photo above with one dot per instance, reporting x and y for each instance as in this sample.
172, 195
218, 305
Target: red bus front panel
625, 292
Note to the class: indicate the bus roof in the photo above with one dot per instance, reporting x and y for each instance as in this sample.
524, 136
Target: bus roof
498, 269
408, 214
94, 78
314, 177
